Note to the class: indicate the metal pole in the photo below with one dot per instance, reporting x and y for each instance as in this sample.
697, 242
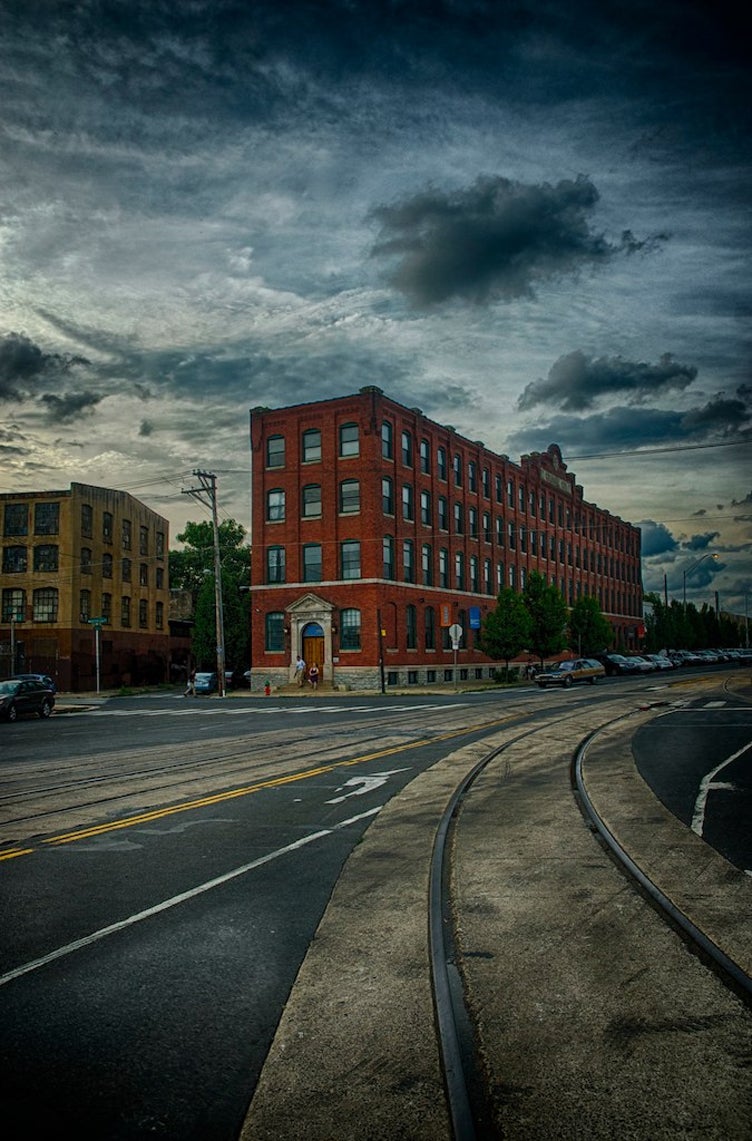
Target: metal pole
219, 610
381, 651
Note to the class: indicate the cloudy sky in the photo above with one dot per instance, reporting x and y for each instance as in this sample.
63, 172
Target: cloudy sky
531, 220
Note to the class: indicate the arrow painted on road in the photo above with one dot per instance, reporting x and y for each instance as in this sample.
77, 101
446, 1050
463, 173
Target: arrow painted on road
359, 785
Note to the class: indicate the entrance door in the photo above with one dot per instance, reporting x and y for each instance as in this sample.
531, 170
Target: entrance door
313, 647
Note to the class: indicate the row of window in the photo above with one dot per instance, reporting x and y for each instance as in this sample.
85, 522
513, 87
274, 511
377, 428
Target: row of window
45, 558
515, 495
45, 607
350, 626
47, 522
480, 576
475, 522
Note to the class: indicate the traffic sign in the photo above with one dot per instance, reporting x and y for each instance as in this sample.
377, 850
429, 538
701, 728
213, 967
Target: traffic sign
97, 621
455, 633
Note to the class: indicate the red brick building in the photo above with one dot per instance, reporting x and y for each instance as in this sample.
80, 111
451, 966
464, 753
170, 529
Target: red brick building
374, 529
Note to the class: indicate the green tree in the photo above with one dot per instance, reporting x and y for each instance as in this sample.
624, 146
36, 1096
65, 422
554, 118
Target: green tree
192, 569
589, 631
506, 629
548, 616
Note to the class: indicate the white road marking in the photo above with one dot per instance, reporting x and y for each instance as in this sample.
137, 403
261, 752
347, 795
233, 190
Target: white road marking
366, 783
261, 711
714, 705
708, 785
95, 936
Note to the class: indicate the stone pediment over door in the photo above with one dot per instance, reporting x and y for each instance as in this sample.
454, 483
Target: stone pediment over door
310, 608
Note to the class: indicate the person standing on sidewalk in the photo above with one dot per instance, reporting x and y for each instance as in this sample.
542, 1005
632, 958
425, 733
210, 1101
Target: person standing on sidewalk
300, 668
313, 676
191, 687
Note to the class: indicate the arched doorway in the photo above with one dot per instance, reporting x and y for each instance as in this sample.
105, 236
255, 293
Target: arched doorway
312, 646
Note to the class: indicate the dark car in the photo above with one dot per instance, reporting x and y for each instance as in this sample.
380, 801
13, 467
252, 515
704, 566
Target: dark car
565, 673
44, 678
617, 664
21, 696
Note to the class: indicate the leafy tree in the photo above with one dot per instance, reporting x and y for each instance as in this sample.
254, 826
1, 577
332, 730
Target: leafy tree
506, 630
548, 616
192, 569
589, 631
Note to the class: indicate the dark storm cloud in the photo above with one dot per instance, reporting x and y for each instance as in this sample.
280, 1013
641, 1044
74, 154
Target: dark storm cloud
656, 539
70, 407
575, 382
495, 239
701, 542
23, 365
623, 428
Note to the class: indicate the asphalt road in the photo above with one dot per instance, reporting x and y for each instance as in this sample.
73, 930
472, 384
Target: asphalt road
165, 864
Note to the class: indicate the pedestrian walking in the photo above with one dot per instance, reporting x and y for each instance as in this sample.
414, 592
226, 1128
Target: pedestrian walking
191, 687
313, 676
300, 668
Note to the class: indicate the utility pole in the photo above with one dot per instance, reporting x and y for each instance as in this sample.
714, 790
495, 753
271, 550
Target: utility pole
207, 494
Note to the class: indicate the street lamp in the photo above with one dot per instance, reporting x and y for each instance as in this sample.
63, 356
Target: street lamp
693, 567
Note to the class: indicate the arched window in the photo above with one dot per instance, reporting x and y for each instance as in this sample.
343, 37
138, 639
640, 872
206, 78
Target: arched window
311, 446
275, 564
275, 451
411, 627
274, 631
407, 449
349, 630
387, 440
349, 442
311, 506
429, 628
349, 497
388, 557
312, 566
350, 559
275, 505
387, 496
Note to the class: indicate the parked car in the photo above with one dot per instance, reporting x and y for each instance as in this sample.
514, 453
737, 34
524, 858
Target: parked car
206, 683
22, 696
644, 665
661, 661
566, 673
44, 678
617, 664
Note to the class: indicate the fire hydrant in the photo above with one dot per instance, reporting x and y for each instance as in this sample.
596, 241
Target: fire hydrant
267, 688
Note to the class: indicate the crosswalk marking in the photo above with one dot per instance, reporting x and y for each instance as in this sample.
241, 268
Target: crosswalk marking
261, 711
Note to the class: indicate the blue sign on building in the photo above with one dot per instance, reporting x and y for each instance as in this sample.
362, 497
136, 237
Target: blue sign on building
474, 616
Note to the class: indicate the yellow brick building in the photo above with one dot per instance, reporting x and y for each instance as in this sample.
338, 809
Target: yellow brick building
76, 555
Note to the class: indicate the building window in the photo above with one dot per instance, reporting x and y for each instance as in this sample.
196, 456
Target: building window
426, 565
349, 630
473, 520
511, 536
125, 570
143, 540
159, 615
107, 566
84, 605
429, 628
16, 520
107, 608
522, 497
499, 489
274, 632
425, 457
275, 564
408, 561
408, 504
44, 608
275, 451
14, 605
486, 476
472, 476
457, 464
86, 560
443, 509
312, 567
107, 526
349, 497
387, 560
87, 521
474, 574
350, 559
486, 527
459, 522
387, 440
126, 536
275, 505
312, 446
512, 576
143, 574
14, 560
160, 544
411, 627
311, 501
46, 557
142, 613
46, 518
407, 449
160, 578
125, 611
459, 570
349, 444
441, 463
425, 508
443, 567
387, 496
487, 577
